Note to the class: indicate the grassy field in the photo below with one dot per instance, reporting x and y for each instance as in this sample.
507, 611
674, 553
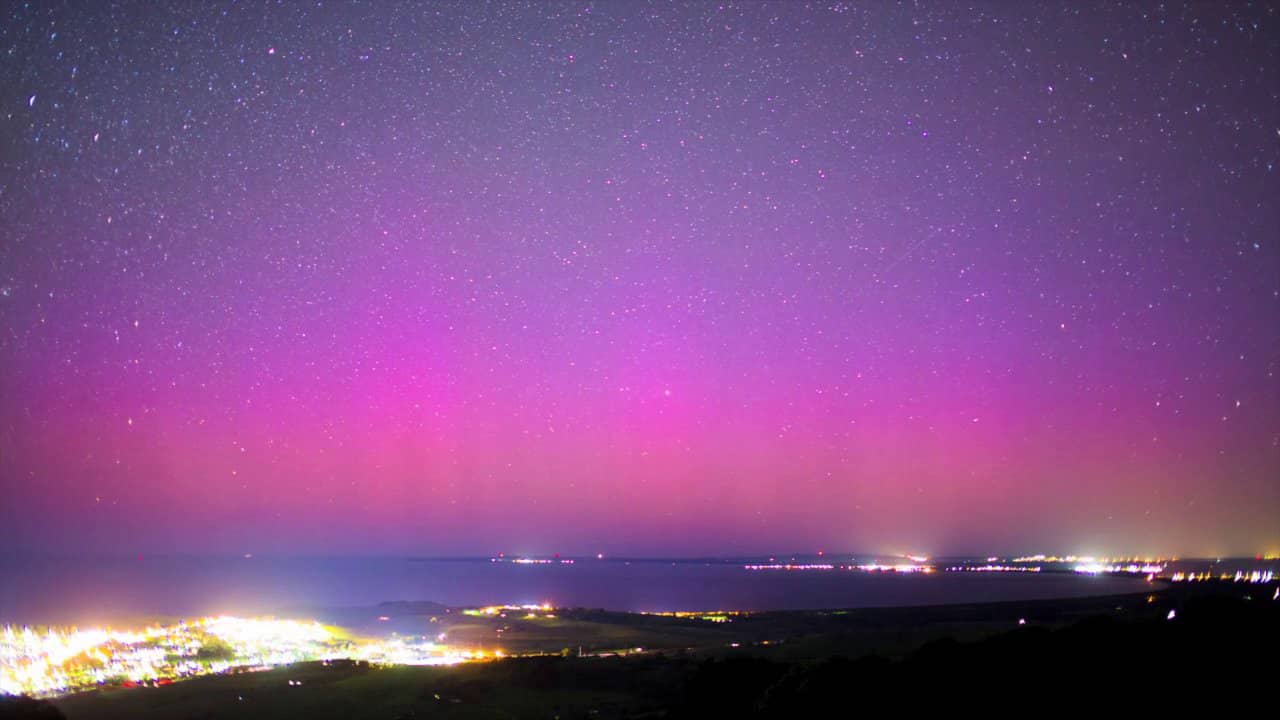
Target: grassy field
347, 690
553, 635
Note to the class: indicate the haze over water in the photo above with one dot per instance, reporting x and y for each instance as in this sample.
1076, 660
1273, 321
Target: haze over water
80, 591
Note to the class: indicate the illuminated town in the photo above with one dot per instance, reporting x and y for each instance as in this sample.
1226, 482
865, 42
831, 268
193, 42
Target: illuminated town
530, 611
995, 568
1252, 577
56, 661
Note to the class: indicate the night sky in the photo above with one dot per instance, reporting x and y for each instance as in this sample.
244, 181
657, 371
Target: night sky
639, 278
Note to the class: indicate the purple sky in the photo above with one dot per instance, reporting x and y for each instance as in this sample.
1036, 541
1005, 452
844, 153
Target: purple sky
633, 278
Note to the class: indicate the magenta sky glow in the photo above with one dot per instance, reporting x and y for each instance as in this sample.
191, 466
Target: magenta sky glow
640, 278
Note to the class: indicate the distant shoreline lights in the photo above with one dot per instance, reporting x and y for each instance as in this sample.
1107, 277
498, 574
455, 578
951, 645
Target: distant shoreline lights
869, 568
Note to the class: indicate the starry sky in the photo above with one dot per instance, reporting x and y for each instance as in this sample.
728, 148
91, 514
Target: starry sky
639, 278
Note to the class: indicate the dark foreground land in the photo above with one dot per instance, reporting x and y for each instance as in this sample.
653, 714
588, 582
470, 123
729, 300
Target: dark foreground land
1220, 646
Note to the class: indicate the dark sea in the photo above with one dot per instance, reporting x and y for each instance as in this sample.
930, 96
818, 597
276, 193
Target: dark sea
113, 591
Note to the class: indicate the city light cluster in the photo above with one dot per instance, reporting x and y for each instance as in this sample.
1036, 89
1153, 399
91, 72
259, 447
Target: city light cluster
501, 610
995, 568
1132, 569
870, 567
56, 661
1255, 576
715, 616
1092, 560
415, 650
897, 568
